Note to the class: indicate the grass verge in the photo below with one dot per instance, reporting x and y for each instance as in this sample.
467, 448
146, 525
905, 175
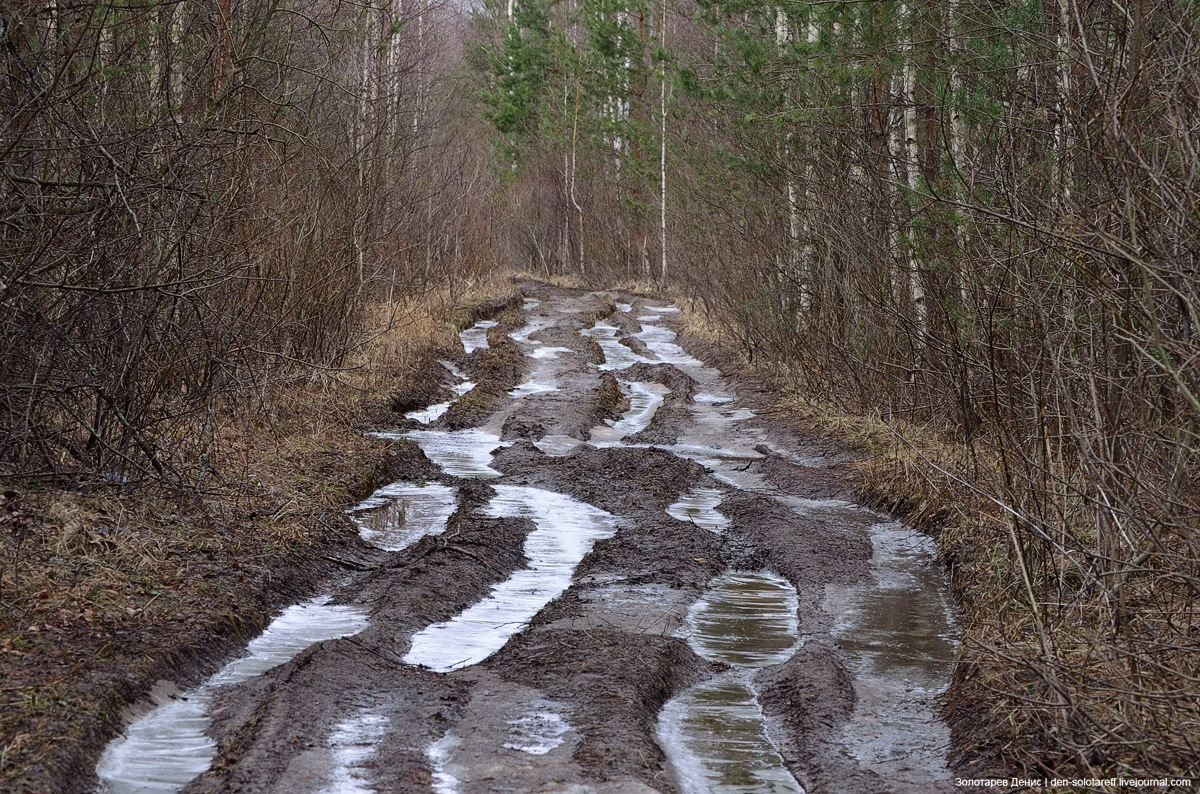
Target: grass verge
107, 587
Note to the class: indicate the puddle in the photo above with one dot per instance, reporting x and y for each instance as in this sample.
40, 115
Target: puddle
716, 738
624, 307
557, 445
538, 383
531, 328
353, 743
433, 412
400, 514
728, 465
530, 304
900, 635
460, 453
660, 342
746, 620
700, 507
565, 530
168, 747
831, 509
644, 400
663, 309
475, 337
616, 354
542, 352
715, 733
537, 732
711, 399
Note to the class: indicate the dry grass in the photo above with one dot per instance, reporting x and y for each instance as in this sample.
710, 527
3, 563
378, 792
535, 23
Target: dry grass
1043, 687
101, 586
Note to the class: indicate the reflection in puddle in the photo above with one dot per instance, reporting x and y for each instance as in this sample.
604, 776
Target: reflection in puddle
565, 531
624, 307
746, 620
700, 507
400, 514
644, 400
433, 412
900, 633
537, 732
353, 742
616, 355
461, 453
475, 337
168, 747
715, 734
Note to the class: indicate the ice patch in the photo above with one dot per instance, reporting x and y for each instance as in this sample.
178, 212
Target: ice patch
537, 732
354, 742
438, 753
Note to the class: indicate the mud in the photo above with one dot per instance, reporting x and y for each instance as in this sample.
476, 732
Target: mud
569, 693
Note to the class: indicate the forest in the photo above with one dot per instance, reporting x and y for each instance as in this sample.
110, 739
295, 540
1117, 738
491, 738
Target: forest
962, 234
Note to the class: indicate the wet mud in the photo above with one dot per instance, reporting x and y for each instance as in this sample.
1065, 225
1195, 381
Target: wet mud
572, 568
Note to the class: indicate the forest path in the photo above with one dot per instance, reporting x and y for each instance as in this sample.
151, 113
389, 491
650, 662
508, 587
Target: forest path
611, 574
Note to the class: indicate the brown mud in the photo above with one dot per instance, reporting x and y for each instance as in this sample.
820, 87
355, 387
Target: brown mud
597, 663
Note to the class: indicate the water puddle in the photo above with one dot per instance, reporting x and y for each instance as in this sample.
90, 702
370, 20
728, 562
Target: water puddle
475, 337
539, 383
661, 342
746, 620
168, 747
530, 304
532, 327
663, 309
900, 633
616, 354
714, 733
565, 531
461, 453
644, 400
433, 412
543, 352
715, 737
624, 308
353, 743
538, 731
729, 465
711, 399
700, 507
400, 514
557, 445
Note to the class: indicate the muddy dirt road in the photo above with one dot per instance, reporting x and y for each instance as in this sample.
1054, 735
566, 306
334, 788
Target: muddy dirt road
598, 569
